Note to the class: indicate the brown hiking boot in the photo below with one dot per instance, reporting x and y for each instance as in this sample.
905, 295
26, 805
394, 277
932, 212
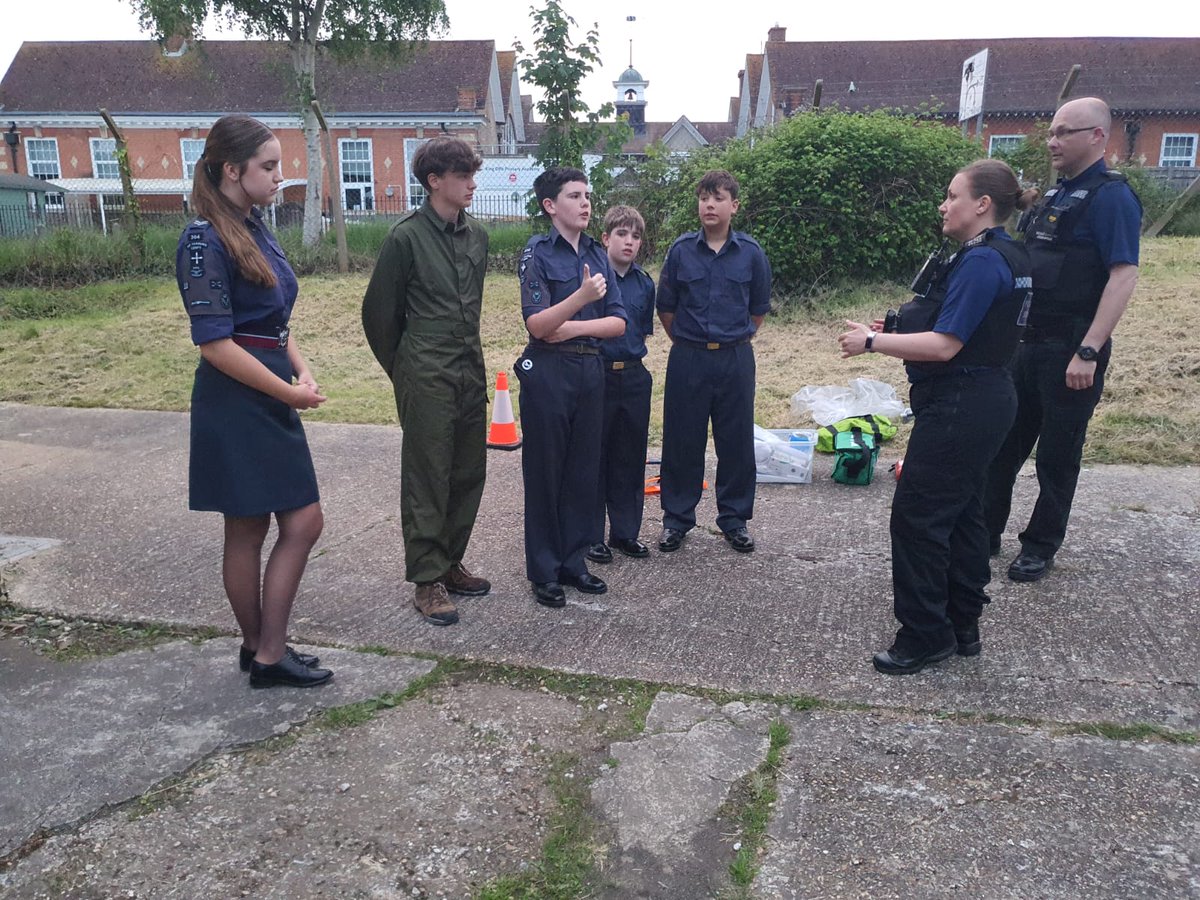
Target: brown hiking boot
434, 604
459, 581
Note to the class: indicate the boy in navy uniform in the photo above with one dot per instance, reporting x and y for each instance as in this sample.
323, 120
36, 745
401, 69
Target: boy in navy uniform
713, 293
570, 302
627, 385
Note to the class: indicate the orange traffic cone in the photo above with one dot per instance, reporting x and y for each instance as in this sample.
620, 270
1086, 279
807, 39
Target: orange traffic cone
503, 433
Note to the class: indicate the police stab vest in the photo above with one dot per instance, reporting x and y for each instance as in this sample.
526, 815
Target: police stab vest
995, 339
1068, 274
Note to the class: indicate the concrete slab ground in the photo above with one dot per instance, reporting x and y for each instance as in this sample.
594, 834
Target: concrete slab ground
997, 776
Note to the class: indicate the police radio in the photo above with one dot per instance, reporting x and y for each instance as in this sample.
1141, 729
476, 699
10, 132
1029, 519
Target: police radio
924, 280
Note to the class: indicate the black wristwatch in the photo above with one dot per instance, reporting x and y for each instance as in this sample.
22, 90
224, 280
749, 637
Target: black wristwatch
1086, 353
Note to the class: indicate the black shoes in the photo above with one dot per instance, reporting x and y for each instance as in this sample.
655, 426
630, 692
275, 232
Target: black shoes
599, 553
890, 662
549, 593
739, 539
670, 540
286, 673
630, 547
246, 656
587, 582
1028, 567
969, 643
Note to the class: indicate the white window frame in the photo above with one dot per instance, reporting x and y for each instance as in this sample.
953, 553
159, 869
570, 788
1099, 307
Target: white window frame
1005, 141
104, 153
366, 187
414, 191
54, 200
197, 150
1180, 161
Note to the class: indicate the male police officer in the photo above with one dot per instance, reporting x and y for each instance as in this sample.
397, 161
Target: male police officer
1083, 242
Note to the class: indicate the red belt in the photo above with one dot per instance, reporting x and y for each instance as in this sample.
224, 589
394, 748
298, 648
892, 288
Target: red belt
262, 341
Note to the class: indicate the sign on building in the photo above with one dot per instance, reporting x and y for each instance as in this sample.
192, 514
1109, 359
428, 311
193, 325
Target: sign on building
970, 94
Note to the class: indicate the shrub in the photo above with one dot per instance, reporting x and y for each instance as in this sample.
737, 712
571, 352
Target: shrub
830, 195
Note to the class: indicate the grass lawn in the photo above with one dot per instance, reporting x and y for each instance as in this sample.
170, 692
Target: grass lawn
125, 344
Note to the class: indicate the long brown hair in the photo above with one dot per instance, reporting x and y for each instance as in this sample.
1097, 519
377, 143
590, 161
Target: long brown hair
234, 140
995, 178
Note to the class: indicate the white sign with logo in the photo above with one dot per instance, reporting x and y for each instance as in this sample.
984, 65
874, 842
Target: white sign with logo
970, 95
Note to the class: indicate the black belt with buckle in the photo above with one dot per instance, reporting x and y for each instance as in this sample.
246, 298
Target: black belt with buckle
711, 345
262, 341
616, 365
574, 348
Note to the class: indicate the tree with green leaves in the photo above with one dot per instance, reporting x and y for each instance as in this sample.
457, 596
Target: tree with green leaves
558, 66
347, 28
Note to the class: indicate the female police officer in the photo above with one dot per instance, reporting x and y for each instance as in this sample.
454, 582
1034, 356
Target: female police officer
956, 338
249, 456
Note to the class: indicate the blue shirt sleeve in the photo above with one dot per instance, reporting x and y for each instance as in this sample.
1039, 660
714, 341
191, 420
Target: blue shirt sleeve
1115, 221
975, 283
204, 274
668, 292
646, 283
535, 292
760, 284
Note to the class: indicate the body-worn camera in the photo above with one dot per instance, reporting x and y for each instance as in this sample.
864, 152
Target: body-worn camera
891, 322
928, 272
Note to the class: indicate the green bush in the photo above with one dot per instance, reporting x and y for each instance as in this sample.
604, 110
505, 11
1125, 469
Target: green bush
830, 195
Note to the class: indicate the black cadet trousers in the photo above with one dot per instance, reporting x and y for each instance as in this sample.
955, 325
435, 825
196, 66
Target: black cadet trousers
622, 487
702, 385
1055, 418
940, 561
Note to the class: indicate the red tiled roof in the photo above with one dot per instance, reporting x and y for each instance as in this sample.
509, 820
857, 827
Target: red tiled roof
1024, 75
216, 77
754, 63
713, 132
506, 60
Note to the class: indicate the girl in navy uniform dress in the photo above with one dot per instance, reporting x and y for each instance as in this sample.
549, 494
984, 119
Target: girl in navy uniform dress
249, 456
956, 338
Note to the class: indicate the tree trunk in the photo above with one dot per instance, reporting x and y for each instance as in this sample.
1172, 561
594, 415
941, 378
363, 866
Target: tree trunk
304, 63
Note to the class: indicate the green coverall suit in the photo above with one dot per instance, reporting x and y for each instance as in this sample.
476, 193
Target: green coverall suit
421, 317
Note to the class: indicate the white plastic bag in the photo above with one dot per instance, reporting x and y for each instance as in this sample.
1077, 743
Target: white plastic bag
783, 457
831, 403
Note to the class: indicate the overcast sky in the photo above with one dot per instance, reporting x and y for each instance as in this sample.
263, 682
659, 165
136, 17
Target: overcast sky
689, 52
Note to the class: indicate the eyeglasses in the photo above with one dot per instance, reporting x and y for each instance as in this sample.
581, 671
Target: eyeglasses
1060, 132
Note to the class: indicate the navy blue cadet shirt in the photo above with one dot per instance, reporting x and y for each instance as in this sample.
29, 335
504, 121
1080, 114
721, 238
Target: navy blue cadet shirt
713, 295
216, 296
1113, 222
550, 271
637, 296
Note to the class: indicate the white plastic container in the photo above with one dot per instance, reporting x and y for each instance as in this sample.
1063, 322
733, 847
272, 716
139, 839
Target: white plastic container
784, 456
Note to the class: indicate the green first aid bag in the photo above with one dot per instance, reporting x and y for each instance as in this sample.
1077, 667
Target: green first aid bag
877, 426
854, 457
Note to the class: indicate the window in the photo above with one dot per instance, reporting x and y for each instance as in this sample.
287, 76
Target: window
104, 158
189, 151
42, 154
1178, 150
358, 178
1003, 144
415, 193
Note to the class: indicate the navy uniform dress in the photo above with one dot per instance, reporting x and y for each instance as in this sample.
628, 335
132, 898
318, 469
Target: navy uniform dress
627, 386
1083, 227
710, 374
562, 408
964, 408
249, 456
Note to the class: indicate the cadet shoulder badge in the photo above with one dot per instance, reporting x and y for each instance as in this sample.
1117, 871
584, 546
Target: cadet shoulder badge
523, 265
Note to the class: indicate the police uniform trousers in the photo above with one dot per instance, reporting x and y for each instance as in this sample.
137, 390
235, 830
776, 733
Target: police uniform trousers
940, 563
562, 411
249, 455
623, 450
1055, 418
702, 385
441, 398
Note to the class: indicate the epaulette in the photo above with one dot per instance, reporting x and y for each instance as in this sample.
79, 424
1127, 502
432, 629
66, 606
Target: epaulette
1114, 175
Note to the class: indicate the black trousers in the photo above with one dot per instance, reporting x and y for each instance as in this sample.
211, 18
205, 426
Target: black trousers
702, 385
622, 488
1055, 418
562, 407
939, 540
